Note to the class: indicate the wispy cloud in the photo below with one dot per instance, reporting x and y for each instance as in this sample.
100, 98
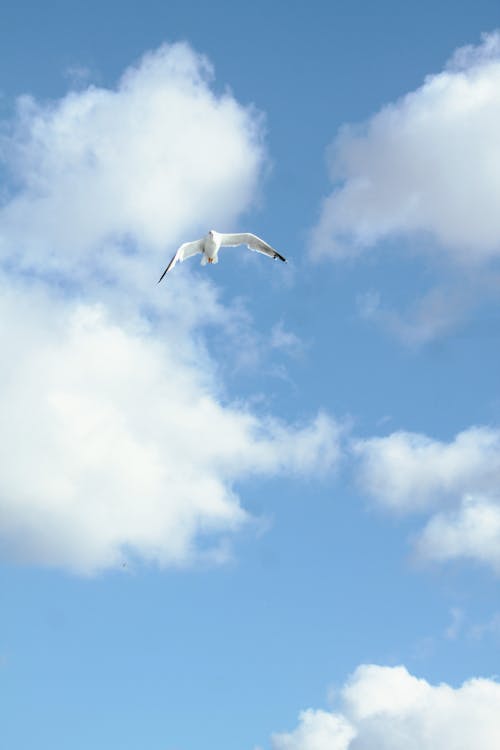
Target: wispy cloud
456, 624
435, 313
285, 340
491, 627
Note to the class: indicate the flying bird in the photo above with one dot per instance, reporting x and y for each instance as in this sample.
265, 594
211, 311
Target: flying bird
210, 245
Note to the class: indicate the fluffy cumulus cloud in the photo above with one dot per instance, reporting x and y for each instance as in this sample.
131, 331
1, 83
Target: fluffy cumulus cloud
408, 471
390, 709
470, 531
117, 438
133, 165
455, 483
427, 165
115, 441
317, 730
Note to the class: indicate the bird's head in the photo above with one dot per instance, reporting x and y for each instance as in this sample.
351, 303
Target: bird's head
211, 232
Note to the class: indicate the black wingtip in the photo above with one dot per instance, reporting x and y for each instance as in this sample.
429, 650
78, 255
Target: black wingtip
164, 272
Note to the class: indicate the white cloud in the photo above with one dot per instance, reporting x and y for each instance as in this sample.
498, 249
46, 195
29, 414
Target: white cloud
133, 167
424, 173
427, 165
455, 626
456, 482
287, 341
317, 730
470, 531
114, 440
434, 313
408, 471
389, 709
117, 438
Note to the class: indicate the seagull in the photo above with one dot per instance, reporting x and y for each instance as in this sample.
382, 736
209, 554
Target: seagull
210, 245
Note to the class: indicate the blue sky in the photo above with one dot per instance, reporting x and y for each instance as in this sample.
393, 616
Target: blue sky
255, 506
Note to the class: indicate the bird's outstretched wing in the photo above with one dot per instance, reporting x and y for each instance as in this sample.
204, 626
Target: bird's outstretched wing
251, 241
185, 251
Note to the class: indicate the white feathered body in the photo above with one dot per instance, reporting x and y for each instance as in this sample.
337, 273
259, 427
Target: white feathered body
211, 245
